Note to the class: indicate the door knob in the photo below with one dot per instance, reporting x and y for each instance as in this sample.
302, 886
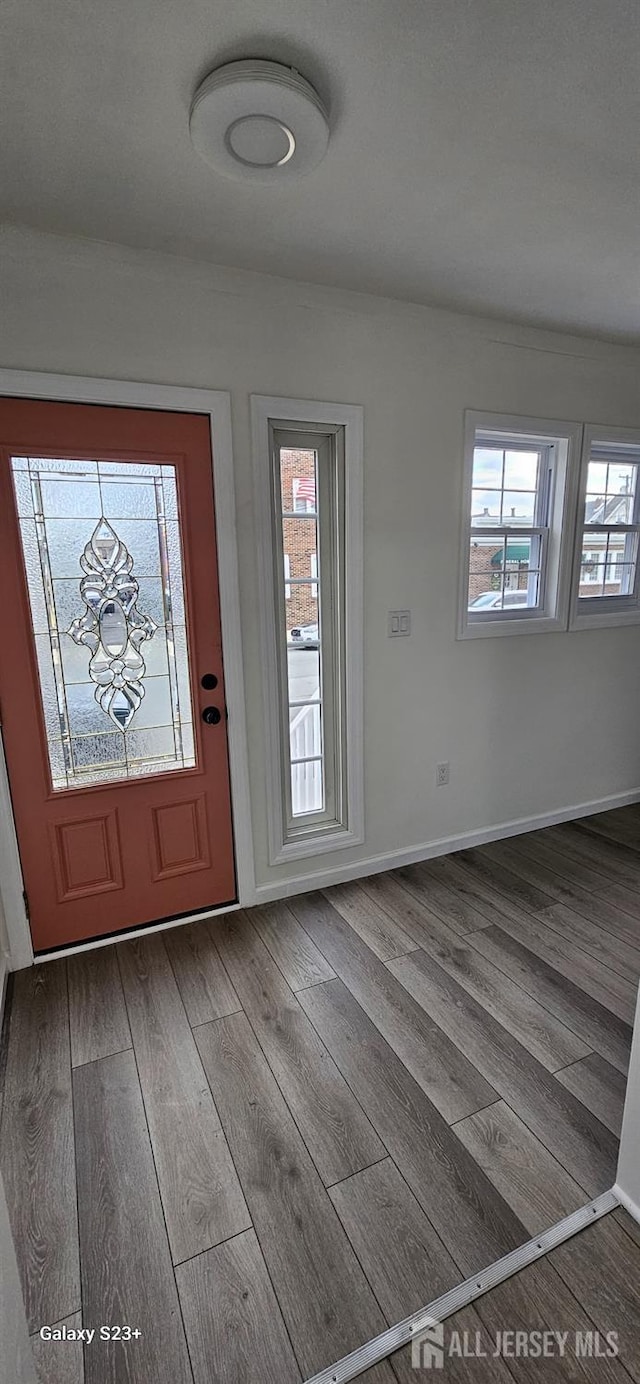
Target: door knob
209, 681
211, 715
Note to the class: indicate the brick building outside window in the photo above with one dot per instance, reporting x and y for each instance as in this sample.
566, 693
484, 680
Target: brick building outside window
299, 536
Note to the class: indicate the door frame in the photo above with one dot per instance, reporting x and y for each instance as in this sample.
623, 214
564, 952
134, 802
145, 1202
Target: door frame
81, 389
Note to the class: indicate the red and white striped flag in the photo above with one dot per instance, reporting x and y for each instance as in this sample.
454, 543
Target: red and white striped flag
305, 489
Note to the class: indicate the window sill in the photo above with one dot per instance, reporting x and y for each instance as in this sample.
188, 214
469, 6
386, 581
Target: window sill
604, 619
320, 843
491, 629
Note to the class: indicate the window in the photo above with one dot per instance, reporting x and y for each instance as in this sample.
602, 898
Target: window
308, 482
514, 565
606, 581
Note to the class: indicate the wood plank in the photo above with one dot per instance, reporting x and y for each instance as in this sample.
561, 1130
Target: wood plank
611, 858
608, 947
472, 1220
402, 1255
232, 1319
380, 932
619, 825
543, 882
545, 1037
602, 1268
477, 887
97, 1011
326, 1302
542, 850
584, 1147
207, 992
503, 881
447, 1077
513, 855
127, 1278
334, 1128
36, 1145
404, 1260
605, 915
599, 1086
564, 953
60, 1362
202, 1199
430, 881
596, 1026
409, 909
538, 1300
628, 1224
291, 948
624, 898
518, 1165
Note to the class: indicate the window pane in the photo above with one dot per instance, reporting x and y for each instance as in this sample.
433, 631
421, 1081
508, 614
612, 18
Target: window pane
608, 563
299, 539
305, 732
303, 666
307, 788
298, 480
622, 478
303, 601
521, 470
503, 573
487, 467
607, 566
597, 478
104, 593
485, 507
518, 507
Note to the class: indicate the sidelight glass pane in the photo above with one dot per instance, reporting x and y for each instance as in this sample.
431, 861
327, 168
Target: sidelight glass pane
307, 787
305, 732
103, 560
302, 623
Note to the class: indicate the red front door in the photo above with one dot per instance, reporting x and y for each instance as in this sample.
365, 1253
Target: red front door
111, 678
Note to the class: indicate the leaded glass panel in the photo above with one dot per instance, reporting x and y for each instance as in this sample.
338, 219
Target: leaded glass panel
103, 558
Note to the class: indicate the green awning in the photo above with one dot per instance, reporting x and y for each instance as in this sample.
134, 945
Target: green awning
516, 552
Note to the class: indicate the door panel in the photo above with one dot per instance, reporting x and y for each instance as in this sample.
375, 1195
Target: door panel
109, 621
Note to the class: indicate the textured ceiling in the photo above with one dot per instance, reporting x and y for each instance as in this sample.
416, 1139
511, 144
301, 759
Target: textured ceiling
485, 154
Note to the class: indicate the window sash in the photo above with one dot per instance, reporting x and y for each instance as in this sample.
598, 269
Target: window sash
622, 600
329, 585
536, 532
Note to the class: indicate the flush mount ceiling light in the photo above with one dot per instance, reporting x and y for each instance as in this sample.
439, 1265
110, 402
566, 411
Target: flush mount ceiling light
258, 121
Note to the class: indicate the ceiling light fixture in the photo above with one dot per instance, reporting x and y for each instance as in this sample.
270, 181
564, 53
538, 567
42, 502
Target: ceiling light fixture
258, 121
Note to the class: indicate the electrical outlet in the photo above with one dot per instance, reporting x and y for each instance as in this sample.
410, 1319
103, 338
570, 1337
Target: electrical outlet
442, 774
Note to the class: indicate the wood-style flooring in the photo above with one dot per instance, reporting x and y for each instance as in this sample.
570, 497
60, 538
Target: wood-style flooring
260, 1140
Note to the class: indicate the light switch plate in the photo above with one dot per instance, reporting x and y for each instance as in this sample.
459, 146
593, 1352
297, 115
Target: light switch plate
399, 623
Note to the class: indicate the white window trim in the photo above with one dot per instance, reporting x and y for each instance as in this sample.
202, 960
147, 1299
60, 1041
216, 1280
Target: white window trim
593, 612
561, 534
267, 412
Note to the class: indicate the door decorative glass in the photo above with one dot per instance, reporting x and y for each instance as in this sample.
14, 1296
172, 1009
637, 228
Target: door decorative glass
107, 534
112, 627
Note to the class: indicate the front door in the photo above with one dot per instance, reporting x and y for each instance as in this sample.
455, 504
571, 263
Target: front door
111, 678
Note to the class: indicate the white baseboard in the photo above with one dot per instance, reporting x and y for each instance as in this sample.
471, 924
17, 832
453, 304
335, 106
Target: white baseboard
629, 1205
410, 855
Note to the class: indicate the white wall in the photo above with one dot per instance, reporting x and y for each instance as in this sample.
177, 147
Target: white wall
531, 724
